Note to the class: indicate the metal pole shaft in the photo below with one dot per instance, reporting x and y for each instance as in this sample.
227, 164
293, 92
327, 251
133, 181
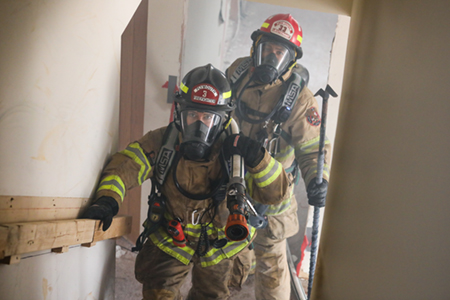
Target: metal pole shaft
321, 157
314, 243
319, 179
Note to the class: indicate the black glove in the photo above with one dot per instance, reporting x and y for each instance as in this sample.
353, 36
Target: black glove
248, 148
317, 193
104, 209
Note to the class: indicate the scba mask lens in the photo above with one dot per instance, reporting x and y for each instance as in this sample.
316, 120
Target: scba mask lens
272, 59
199, 130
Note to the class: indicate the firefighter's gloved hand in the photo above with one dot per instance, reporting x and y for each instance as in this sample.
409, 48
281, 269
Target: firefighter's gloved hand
104, 209
317, 193
248, 148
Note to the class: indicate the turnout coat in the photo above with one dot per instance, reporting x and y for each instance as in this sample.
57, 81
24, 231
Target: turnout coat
299, 140
131, 167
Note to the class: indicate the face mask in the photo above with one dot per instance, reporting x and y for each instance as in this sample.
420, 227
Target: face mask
267, 72
195, 145
271, 60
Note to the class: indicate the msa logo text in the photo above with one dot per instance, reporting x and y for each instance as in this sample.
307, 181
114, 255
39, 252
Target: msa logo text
164, 161
291, 94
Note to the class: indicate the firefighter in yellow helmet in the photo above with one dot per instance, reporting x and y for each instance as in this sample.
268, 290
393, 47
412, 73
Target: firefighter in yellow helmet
186, 225
275, 107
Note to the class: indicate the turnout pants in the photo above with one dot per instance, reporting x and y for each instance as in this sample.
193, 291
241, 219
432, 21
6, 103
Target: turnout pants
272, 277
162, 276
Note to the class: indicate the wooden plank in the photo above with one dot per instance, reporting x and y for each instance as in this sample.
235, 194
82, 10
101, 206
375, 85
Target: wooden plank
62, 249
88, 245
10, 260
4, 231
119, 227
35, 236
20, 238
14, 209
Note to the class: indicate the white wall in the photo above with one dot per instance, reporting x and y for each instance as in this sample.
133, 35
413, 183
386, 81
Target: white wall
59, 96
81, 273
59, 92
206, 23
166, 20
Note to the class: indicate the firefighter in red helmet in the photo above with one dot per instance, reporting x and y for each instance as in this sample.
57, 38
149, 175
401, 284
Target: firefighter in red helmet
275, 107
186, 223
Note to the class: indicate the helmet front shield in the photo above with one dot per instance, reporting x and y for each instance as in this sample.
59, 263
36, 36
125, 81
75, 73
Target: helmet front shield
200, 126
274, 54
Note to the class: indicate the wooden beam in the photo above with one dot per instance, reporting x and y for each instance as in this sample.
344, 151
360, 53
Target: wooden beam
14, 209
20, 238
10, 260
62, 249
88, 245
121, 226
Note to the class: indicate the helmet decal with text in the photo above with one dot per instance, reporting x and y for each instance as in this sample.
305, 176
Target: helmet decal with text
205, 93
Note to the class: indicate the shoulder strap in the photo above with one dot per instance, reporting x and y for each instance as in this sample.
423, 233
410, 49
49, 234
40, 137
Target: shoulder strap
295, 85
241, 70
166, 153
300, 78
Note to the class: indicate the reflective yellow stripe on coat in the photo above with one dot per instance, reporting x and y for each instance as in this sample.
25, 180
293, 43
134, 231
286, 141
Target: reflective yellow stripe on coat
136, 153
113, 183
310, 147
269, 174
280, 208
184, 254
285, 154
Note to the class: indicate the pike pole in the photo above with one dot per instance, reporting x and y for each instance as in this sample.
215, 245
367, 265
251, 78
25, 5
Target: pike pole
319, 178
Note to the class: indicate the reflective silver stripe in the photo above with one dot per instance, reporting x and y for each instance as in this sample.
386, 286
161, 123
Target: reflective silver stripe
214, 253
221, 234
135, 152
113, 183
195, 230
313, 172
269, 174
280, 208
284, 154
214, 256
164, 242
311, 145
